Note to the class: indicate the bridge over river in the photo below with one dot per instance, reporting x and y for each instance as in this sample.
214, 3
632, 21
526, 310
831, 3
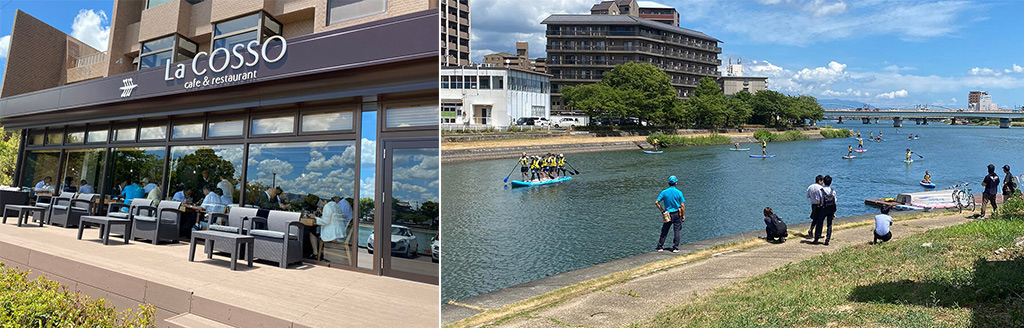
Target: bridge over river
921, 116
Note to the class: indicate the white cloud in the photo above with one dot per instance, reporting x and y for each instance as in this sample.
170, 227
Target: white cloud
92, 28
820, 8
822, 75
498, 24
953, 100
893, 94
5, 44
1013, 69
984, 71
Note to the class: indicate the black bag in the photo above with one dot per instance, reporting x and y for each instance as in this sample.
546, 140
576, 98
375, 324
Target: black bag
828, 200
780, 227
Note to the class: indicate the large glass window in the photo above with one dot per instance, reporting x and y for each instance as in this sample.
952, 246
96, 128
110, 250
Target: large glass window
273, 125
98, 136
76, 137
342, 10
155, 53
54, 138
398, 117
258, 26
231, 41
36, 138
158, 132
225, 128
127, 134
190, 130
367, 185
82, 170
39, 166
133, 165
193, 167
320, 122
236, 25
414, 216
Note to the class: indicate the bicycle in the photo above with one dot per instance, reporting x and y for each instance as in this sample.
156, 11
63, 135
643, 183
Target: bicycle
963, 198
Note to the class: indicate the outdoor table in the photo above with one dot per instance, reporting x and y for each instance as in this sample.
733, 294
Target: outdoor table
105, 222
23, 211
211, 236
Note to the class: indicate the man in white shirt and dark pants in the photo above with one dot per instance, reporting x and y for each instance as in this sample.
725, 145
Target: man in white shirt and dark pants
814, 195
882, 224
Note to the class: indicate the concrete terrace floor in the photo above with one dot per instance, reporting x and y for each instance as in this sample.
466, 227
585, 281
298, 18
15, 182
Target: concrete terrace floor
265, 295
642, 298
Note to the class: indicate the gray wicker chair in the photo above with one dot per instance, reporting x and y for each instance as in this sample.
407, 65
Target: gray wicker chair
163, 226
114, 211
278, 243
68, 211
46, 202
236, 219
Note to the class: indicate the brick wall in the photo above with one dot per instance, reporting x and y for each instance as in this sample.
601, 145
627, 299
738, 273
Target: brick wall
36, 57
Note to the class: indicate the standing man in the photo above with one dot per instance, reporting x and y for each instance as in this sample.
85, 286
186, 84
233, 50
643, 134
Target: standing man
827, 211
561, 164
670, 203
814, 194
764, 147
524, 166
1010, 184
991, 184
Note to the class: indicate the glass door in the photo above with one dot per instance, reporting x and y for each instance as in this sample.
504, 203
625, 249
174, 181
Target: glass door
409, 229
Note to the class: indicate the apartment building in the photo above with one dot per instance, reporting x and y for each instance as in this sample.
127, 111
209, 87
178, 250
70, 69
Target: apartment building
581, 47
267, 93
455, 48
521, 59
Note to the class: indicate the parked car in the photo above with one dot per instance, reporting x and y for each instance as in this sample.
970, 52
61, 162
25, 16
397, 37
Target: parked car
435, 249
535, 121
567, 122
403, 241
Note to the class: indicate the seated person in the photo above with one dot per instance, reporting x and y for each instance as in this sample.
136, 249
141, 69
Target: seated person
44, 186
774, 227
154, 195
68, 186
882, 224
927, 177
184, 196
335, 217
86, 188
132, 191
211, 204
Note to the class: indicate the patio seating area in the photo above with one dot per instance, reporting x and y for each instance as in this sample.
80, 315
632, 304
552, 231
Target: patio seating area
127, 274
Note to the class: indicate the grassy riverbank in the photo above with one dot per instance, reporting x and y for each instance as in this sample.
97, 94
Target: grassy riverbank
672, 140
950, 277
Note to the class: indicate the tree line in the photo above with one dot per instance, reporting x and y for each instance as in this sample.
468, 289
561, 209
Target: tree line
643, 91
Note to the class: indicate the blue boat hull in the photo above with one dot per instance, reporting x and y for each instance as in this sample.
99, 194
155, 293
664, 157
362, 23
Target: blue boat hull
761, 156
653, 152
517, 183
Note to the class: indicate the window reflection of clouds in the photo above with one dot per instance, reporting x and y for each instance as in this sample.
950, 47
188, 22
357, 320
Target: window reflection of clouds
273, 125
415, 174
318, 168
231, 153
187, 131
224, 129
327, 122
153, 133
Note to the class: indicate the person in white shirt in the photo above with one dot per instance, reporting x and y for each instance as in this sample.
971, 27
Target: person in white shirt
827, 211
147, 186
86, 188
212, 201
814, 195
229, 190
334, 219
882, 224
44, 185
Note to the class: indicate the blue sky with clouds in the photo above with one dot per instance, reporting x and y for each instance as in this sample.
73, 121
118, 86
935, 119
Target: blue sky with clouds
885, 53
88, 21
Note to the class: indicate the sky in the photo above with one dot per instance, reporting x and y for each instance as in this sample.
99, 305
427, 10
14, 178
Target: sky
884, 53
88, 21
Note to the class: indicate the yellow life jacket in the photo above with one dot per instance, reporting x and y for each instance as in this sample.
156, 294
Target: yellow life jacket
561, 161
524, 161
535, 164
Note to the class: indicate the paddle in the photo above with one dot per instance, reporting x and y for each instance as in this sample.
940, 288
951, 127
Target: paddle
510, 173
922, 157
574, 170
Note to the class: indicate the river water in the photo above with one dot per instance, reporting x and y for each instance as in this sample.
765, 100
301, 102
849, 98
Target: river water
496, 237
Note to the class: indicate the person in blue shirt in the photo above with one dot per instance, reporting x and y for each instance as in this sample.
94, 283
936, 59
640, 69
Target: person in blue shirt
86, 188
132, 191
44, 185
670, 203
184, 196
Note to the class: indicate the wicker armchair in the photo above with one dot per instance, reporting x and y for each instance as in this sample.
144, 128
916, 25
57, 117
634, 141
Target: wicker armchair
278, 243
163, 226
68, 211
46, 202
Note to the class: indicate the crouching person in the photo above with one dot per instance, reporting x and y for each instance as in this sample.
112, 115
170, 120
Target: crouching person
774, 227
882, 224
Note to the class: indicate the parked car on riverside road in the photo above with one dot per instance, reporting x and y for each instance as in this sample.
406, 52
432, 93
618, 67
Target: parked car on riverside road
435, 249
403, 241
534, 121
566, 122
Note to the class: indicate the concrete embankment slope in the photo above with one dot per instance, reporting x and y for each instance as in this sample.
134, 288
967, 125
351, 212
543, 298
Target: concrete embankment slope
677, 278
496, 149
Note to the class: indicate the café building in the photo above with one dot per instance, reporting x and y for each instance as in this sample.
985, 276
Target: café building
319, 98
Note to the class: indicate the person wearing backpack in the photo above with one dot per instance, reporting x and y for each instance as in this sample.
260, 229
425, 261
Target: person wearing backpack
774, 227
814, 195
827, 212
1010, 185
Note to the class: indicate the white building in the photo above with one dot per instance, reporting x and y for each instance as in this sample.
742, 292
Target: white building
985, 103
475, 97
733, 81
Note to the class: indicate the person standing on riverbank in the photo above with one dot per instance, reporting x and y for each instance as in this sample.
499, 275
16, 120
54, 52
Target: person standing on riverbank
670, 203
814, 194
991, 184
827, 211
1009, 184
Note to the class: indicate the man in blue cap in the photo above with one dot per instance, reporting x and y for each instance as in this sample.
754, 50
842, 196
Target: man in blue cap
670, 203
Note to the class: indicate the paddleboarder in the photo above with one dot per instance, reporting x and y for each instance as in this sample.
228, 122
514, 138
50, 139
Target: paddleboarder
764, 147
736, 146
524, 166
850, 153
535, 168
561, 164
860, 142
655, 143
927, 177
908, 154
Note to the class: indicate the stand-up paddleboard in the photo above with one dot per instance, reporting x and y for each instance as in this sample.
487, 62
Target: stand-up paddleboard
762, 156
915, 138
927, 184
517, 183
849, 157
908, 161
908, 208
739, 148
860, 150
653, 151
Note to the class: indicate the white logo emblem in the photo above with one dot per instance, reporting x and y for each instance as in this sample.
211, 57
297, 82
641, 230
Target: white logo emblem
126, 90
